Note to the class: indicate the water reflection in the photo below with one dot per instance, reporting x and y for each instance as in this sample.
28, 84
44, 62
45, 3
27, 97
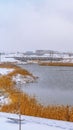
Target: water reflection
54, 85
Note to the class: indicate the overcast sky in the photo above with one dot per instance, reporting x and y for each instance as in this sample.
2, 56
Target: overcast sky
36, 24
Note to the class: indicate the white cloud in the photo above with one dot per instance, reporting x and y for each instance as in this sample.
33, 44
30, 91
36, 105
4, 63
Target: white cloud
29, 26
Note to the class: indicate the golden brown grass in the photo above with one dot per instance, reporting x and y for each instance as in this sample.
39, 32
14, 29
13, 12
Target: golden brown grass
7, 65
17, 69
56, 64
28, 105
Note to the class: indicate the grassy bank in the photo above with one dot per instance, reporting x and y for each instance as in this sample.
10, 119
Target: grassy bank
67, 64
28, 105
17, 69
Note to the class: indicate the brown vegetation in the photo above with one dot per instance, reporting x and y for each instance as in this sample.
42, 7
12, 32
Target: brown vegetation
17, 69
56, 64
7, 65
29, 106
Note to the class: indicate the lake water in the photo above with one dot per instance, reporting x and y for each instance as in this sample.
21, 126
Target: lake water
53, 86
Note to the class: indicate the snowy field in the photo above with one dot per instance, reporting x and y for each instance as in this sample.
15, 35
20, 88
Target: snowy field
10, 122
9, 57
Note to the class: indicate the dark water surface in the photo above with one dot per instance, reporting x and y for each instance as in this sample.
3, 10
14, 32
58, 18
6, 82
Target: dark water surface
54, 85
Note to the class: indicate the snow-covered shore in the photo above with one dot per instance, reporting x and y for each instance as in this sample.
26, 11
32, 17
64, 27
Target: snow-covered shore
18, 77
10, 122
5, 71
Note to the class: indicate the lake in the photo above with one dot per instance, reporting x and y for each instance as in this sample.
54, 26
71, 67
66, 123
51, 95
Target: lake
54, 85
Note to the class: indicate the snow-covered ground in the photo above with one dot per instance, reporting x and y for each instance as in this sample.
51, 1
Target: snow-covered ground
7, 57
5, 71
22, 79
11, 122
4, 100
17, 78
10, 57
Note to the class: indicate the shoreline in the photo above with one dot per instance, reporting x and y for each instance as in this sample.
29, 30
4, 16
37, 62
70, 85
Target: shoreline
64, 64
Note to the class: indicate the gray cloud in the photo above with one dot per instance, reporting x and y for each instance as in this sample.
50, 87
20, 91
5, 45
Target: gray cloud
42, 25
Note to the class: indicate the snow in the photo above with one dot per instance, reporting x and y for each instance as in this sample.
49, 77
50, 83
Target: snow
10, 122
10, 57
17, 78
7, 58
4, 100
22, 79
5, 71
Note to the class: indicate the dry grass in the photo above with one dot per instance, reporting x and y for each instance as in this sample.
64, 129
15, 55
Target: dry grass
28, 105
56, 64
7, 65
6, 82
17, 69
